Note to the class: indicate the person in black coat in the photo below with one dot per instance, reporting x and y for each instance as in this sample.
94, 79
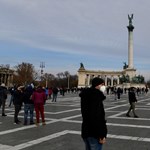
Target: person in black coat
3, 97
94, 127
28, 105
132, 101
17, 101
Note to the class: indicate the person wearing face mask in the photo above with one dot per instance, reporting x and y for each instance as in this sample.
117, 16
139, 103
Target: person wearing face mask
94, 128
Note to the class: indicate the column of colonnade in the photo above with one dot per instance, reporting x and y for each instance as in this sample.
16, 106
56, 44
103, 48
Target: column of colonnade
89, 77
6, 78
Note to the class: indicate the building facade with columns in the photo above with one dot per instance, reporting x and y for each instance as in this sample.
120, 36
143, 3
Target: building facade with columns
6, 76
111, 78
85, 76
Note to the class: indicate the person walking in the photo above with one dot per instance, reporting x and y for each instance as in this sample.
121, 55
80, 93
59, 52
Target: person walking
119, 91
12, 90
94, 129
132, 101
28, 105
55, 93
17, 101
39, 98
46, 92
3, 97
50, 91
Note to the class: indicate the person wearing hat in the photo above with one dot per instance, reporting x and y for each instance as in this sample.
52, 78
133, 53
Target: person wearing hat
94, 129
3, 97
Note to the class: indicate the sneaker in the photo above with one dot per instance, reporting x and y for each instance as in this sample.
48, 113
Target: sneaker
31, 123
16, 122
128, 115
4, 115
136, 116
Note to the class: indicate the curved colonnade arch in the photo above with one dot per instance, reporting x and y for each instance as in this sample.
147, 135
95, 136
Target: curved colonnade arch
111, 78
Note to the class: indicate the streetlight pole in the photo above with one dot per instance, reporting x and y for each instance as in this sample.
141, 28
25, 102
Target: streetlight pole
68, 80
42, 66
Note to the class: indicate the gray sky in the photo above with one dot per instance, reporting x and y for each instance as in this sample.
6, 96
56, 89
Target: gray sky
64, 33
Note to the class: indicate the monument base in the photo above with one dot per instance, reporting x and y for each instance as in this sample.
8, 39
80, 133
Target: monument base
128, 85
131, 72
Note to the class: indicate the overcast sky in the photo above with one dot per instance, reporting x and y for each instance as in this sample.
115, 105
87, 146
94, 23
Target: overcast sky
64, 33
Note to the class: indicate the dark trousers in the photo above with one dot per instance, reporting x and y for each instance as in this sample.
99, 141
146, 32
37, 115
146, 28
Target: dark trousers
17, 109
132, 107
54, 97
2, 103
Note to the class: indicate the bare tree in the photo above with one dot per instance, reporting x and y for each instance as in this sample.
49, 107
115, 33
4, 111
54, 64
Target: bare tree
24, 73
66, 74
60, 75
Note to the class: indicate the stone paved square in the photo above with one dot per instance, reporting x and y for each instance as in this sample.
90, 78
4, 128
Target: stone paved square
63, 123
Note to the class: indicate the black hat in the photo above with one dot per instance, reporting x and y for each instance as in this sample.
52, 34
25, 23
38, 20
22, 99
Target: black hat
97, 81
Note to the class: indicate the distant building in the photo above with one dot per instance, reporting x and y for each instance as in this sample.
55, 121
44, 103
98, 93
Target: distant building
6, 76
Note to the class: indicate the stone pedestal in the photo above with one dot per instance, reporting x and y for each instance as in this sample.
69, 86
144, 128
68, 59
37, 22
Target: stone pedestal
130, 72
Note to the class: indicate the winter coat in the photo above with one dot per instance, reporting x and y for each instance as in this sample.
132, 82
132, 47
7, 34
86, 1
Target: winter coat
39, 96
93, 114
55, 90
3, 93
132, 96
18, 97
27, 96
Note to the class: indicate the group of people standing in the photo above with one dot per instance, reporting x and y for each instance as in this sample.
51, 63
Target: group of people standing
32, 98
29, 97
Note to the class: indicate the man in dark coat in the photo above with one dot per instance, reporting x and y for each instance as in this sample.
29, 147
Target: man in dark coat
28, 105
3, 97
17, 101
132, 101
94, 129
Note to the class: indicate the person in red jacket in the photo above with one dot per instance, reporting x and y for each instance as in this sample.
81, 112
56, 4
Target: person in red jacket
39, 98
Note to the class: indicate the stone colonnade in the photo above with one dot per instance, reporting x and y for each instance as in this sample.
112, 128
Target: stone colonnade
111, 78
6, 76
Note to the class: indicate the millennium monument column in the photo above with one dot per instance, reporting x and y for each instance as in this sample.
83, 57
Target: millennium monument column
130, 42
130, 69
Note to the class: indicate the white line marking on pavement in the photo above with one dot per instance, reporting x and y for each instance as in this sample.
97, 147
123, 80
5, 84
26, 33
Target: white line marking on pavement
131, 118
60, 112
123, 137
24, 127
37, 141
5, 147
128, 125
114, 107
58, 134
118, 114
